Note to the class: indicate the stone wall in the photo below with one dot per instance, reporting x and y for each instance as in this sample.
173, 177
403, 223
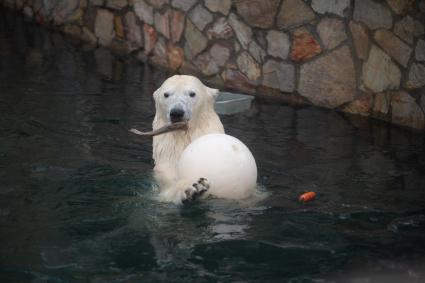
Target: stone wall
364, 57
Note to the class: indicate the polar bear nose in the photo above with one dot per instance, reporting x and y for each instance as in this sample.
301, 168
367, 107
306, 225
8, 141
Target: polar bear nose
176, 115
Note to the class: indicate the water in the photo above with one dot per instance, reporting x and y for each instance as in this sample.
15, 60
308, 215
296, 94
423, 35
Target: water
76, 203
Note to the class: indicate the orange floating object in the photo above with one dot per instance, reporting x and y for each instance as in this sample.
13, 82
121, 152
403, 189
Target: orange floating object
309, 196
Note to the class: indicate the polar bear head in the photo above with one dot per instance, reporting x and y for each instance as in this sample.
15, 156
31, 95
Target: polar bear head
183, 98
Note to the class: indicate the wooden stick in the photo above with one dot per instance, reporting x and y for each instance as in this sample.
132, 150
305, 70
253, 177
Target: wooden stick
168, 128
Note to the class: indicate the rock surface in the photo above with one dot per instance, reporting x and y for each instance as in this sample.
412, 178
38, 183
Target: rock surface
220, 30
381, 106
104, 26
361, 106
373, 14
304, 46
196, 42
336, 7
150, 37
200, 17
248, 66
279, 76
278, 44
220, 53
175, 56
329, 81
243, 32
399, 6
132, 30
360, 39
162, 24
294, 13
257, 52
210, 62
206, 65
143, 11
379, 72
220, 6
406, 112
408, 28
185, 5
236, 80
420, 50
332, 32
158, 3
258, 13
393, 46
116, 4
416, 78
177, 20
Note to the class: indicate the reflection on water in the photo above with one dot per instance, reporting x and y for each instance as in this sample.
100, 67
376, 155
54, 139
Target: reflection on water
77, 205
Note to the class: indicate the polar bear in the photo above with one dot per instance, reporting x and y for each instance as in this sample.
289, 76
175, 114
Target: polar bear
181, 98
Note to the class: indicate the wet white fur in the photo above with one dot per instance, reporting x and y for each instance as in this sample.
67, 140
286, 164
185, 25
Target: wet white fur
167, 148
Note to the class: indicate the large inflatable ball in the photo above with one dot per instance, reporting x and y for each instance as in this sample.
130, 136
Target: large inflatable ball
224, 161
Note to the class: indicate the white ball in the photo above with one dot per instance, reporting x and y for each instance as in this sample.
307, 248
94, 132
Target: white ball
225, 161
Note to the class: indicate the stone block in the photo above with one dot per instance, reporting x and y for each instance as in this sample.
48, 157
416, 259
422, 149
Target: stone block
220, 53
177, 20
256, 51
279, 75
416, 77
278, 44
361, 106
420, 50
360, 39
332, 32
162, 23
406, 112
158, 3
175, 56
408, 28
381, 106
196, 42
116, 4
119, 27
143, 11
206, 65
248, 66
258, 13
133, 31
104, 26
150, 36
399, 7
379, 72
393, 46
294, 13
184, 5
200, 17
304, 45
221, 29
236, 80
329, 81
242, 31
336, 7
220, 6
375, 15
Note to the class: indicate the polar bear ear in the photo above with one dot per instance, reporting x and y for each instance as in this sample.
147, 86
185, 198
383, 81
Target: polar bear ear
212, 91
155, 93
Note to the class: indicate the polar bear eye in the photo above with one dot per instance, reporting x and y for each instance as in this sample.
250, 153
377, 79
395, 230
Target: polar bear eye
166, 94
192, 94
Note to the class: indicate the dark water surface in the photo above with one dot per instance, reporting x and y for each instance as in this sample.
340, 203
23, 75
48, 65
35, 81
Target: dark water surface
76, 203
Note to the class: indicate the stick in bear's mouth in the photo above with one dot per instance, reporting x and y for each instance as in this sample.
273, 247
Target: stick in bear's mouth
168, 128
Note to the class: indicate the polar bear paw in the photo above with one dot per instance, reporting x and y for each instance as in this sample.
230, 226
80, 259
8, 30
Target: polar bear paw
196, 190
